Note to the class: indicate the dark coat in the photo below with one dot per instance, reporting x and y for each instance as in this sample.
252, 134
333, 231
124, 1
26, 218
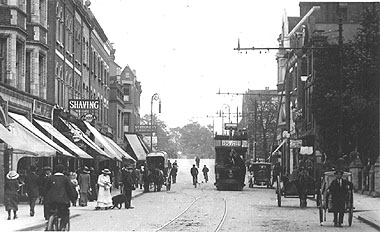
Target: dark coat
11, 194
58, 189
32, 184
174, 170
128, 181
339, 195
84, 182
205, 170
194, 171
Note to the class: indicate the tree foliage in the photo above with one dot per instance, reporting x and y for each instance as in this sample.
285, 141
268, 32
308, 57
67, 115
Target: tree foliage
356, 95
191, 140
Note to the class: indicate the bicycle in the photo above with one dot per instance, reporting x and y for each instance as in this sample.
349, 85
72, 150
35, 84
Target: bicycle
54, 222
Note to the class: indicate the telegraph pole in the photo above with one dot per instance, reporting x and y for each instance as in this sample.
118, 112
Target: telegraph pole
340, 73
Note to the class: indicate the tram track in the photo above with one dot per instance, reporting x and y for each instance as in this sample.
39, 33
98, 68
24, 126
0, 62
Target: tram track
196, 215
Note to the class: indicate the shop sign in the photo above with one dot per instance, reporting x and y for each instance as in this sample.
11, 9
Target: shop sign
145, 128
42, 109
87, 104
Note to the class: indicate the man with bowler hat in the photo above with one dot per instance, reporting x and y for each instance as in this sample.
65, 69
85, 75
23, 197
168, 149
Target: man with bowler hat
128, 186
339, 193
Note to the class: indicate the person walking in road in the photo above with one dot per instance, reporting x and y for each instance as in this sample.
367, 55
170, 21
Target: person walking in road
128, 186
32, 185
84, 186
205, 171
339, 191
104, 193
173, 173
197, 161
11, 188
194, 174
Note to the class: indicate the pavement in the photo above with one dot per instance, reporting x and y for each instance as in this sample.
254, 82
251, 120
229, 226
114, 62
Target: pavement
25, 222
367, 209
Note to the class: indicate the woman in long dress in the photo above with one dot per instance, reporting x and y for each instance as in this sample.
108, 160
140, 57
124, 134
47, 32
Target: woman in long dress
104, 193
11, 193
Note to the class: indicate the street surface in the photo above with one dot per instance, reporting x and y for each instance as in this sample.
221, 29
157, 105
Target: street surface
186, 208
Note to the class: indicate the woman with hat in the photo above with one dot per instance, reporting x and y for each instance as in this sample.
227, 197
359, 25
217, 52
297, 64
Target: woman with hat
84, 186
11, 193
104, 193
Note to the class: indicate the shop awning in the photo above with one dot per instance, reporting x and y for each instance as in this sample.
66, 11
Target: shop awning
119, 150
23, 121
70, 145
101, 142
136, 146
80, 135
18, 145
34, 145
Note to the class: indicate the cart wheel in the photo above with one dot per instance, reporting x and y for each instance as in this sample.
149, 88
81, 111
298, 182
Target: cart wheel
350, 215
278, 192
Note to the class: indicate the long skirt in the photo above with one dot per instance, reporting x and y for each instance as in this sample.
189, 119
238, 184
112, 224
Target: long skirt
104, 197
11, 202
83, 199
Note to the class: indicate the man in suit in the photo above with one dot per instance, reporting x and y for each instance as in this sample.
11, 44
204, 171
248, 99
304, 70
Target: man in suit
339, 192
128, 186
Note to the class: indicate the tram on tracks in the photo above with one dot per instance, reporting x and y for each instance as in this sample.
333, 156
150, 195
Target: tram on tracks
230, 155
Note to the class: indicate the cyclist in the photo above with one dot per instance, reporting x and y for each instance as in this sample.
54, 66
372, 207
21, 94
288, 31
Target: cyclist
59, 195
194, 174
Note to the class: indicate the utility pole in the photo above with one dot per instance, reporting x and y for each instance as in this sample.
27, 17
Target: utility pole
340, 73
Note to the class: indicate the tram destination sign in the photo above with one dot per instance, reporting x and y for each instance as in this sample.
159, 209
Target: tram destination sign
86, 104
231, 143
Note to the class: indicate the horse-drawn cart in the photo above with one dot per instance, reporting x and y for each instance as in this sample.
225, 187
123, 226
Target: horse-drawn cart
325, 202
157, 172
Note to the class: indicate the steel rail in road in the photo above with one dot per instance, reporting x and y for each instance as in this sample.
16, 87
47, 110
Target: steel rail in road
179, 215
224, 216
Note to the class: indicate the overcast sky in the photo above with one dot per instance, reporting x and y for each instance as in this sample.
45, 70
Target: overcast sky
183, 50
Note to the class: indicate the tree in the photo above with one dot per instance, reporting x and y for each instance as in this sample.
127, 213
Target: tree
356, 94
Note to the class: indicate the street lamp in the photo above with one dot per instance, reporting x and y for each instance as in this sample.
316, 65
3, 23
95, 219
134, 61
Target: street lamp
155, 97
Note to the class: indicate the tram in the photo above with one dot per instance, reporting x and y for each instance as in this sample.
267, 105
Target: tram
230, 155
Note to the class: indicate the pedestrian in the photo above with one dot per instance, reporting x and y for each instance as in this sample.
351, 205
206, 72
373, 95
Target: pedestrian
104, 193
141, 177
32, 185
59, 194
84, 186
43, 179
339, 192
128, 186
205, 171
11, 188
194, 174
173, 173
136, 177
93, 182
197, 161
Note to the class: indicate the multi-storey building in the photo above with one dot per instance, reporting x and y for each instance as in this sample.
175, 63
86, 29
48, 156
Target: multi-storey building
51, 52
326, 22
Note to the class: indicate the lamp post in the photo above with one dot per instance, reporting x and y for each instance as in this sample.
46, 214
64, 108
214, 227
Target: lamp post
155, 97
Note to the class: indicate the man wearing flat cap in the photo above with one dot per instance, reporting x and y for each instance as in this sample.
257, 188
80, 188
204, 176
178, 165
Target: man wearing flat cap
339, 192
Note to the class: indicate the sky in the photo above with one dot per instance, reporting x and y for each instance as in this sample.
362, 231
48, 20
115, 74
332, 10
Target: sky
183, 51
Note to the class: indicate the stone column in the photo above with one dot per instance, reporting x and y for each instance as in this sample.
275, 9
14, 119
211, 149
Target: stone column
355, 167
11, 60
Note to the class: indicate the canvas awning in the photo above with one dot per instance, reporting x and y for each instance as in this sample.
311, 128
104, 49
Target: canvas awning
84, 138
18, 145
101, 141
70, 145
119, 150
25, 123
136, 146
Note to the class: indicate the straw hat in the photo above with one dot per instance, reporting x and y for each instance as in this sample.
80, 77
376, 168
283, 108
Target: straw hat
12, 175
106, 171
86, 170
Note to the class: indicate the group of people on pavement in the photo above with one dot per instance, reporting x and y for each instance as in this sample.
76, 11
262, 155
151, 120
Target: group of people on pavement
59, 190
